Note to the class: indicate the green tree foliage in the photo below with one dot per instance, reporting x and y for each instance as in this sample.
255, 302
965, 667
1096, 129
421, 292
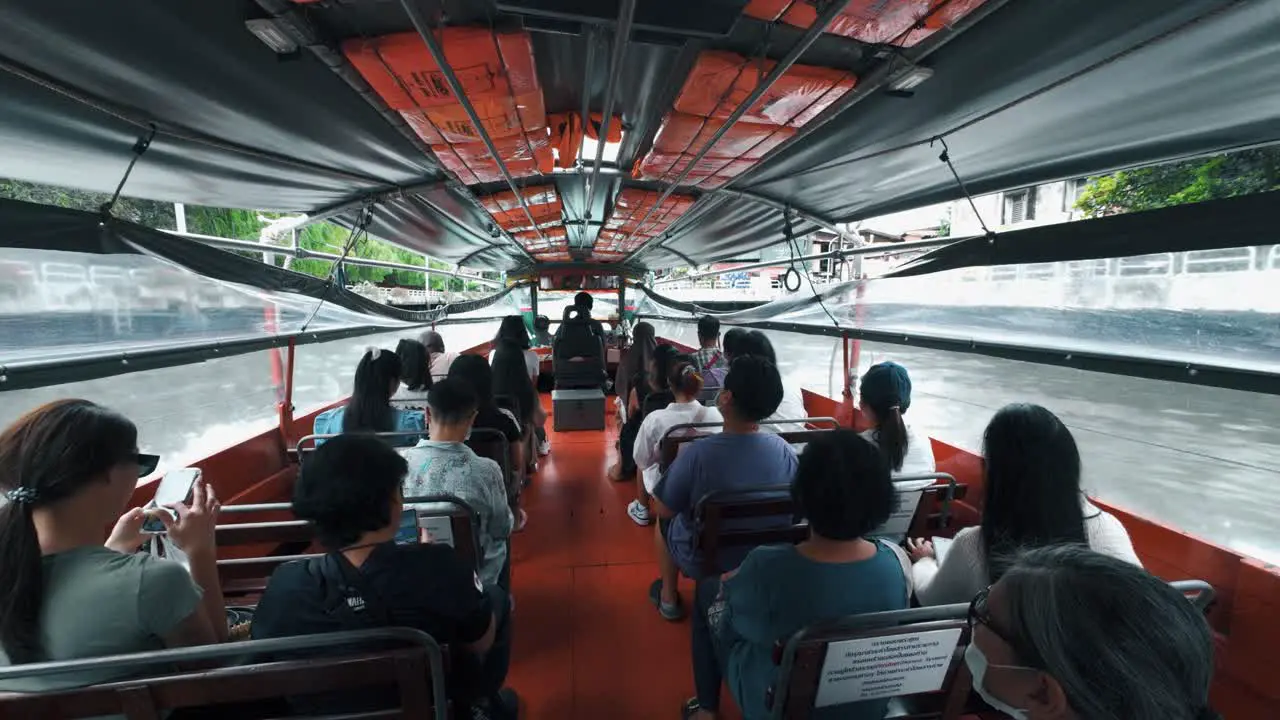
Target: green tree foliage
1222, 176
144, 212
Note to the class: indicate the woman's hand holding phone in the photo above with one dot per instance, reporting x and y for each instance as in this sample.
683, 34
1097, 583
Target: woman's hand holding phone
193, 530
127, 535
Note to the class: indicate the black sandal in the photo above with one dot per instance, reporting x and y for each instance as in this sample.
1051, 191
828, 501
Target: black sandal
690, 708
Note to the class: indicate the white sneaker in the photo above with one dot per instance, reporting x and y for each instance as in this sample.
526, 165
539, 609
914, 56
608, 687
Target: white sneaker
544, 448
639, 513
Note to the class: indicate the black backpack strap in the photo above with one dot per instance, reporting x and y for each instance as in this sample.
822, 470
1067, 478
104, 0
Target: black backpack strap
357, 603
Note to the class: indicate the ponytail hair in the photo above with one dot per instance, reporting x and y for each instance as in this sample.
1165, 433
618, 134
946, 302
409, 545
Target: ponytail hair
683, 378
46, 456
886, 390
369, 409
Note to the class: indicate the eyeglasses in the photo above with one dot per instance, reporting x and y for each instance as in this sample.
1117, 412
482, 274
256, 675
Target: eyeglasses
147, 463
980, 615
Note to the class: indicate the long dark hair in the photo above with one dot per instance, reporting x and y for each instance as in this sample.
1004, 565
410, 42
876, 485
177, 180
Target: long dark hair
369, 409
475, 371
886, 389
415, 365
664, 357
1033, 496
46, 456
1122, 644
512, 330
643, 343
511, 378
636, 362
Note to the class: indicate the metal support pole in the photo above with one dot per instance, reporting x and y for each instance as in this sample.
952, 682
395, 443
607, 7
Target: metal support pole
621, 37
810, 36
424, 31
180, 217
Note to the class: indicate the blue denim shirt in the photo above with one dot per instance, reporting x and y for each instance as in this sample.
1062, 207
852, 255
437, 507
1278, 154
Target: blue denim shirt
329, 422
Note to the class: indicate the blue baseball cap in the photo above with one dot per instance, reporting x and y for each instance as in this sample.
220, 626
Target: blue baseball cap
885, 385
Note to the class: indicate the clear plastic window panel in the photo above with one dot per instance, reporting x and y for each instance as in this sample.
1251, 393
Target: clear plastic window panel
56, 304
183, 413
323, 373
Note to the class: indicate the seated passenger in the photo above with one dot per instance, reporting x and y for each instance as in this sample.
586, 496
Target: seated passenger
67, 469
685, 383
883, 397
349, 489
542, 331
415, 372
1033, 498
474, 370
510, 358
649, 391
444, 465
635, 363
739, 458
369, 409
792, 405
842, 487
735, 346
1069, 634
440, 359
584, 302
512, 330
709, 356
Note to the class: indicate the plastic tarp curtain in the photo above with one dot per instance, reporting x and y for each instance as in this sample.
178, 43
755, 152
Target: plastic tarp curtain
28, 225
1184, 293
1034, 92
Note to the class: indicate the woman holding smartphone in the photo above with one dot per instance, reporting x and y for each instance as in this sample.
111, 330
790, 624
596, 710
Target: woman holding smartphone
67, 469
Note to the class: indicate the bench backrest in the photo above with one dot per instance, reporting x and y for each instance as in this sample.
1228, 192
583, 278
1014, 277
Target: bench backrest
231, 674
911, 516
448, 518
492, 444
837, 662
725, 523
677, 435
308, 443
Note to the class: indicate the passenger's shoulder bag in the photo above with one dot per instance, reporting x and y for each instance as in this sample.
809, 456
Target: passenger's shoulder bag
348, 595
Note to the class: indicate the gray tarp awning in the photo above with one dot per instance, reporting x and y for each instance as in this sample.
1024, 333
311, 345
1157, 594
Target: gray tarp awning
1033, 92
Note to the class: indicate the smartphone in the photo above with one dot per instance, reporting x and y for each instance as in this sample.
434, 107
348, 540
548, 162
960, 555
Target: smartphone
174, 487
409, 533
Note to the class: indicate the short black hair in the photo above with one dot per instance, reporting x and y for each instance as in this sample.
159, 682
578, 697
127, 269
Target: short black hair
843, 486
583, 300
346, 488
755, 387
452, 400
542, 322
708, 327
733, 342
757, 343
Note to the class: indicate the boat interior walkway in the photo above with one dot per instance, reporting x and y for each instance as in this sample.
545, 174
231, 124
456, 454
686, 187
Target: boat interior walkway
588, 643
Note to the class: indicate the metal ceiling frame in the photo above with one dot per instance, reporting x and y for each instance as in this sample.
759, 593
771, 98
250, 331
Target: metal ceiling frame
866, 87
810, 36
621, 38
424, 31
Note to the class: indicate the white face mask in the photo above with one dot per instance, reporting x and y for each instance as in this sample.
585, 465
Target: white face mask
978, 665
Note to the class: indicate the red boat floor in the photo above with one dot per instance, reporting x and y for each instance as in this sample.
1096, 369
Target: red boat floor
587, 641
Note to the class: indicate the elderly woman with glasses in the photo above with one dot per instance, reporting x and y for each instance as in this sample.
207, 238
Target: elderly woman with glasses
1071, 634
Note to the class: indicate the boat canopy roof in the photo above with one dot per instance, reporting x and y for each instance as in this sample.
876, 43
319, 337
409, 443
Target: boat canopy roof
349, 111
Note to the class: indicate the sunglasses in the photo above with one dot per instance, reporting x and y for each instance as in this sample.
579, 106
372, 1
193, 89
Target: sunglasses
147, 463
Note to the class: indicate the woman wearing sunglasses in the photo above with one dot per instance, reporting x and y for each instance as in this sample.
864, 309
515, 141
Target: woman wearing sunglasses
67, 469
1068, 634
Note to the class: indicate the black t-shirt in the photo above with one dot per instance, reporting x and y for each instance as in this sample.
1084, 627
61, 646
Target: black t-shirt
423, 586
491, 418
